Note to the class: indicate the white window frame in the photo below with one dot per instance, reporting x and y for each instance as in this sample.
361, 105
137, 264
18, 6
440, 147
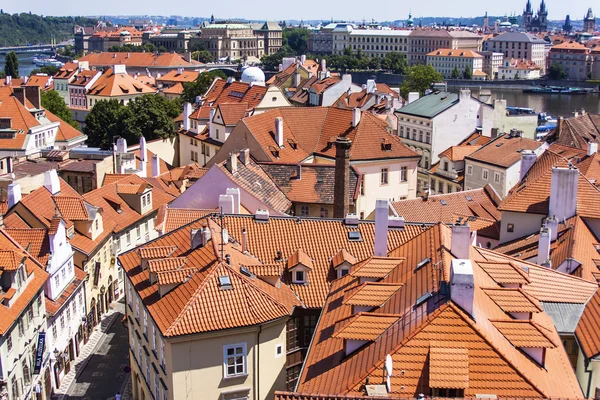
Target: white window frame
496, 177
226, 375
485, 174
469, 170
294, 276
403, 174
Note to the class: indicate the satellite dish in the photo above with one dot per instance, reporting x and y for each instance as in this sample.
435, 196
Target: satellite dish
388, 365
388, 384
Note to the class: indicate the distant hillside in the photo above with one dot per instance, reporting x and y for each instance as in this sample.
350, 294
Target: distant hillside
23, 29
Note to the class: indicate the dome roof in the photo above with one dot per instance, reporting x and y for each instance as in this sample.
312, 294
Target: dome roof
253, 75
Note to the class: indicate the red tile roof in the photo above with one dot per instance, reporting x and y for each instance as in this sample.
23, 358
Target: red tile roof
587, 332
576, 131
503, 151
149, 60
110, 84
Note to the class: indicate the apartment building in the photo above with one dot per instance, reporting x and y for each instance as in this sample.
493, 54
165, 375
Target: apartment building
519, 69
24, 357
446, 61
519, 46
491, 62
575, 59
422, 42
103, 40
154, 64
371, 42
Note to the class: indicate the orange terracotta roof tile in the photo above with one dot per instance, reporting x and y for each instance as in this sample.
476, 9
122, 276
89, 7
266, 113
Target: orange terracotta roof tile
147, 59
300, 257
232, 113
175, 276
343, 257
376, 267
176, 76
577, 131
448, 367
267, 270
35, 240
111, 84
177, 217
366, 326
71, 208
514, 300
505, 273
503, 151
166, 264
373, 294
157, 252
458, 153
587, 332
525, 333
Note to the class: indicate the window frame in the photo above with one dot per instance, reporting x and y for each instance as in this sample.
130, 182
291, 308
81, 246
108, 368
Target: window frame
226, 357
384, 178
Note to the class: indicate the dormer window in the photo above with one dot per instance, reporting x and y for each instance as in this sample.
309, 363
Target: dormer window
299, 264
298, 277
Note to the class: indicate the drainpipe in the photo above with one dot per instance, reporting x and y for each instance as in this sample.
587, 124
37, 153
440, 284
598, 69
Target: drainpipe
590, 375
257, 365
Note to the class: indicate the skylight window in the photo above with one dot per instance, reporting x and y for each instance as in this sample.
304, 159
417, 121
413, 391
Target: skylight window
423, 263
225, 283
354, 236
444, 203
423, 299
469, 198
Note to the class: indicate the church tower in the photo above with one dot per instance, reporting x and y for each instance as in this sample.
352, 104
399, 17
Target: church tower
527, 15
589, 22
543, 16
567, 26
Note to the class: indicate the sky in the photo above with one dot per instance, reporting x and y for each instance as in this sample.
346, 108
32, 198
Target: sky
356, 10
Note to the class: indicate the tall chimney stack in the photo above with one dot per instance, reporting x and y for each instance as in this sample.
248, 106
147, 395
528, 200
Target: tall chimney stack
563, 192
341, 203
381, 227
279, 131
543, 256
155, 166
528, 158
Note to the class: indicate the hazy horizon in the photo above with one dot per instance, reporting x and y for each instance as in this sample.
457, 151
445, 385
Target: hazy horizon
349, 10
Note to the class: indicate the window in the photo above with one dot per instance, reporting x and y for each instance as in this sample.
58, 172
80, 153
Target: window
26, 374
292, 334
427, 137
324, 212
163, 364
484, 174
304, 211
496, 177
154, 339
128, 237
298, 276
139, 231
469, 170
278, 350
291, 377
54, 331
384, 176
145, 324
510, 227
57, 280
310, 323
403, 174
9, 342
234, 360
445, 165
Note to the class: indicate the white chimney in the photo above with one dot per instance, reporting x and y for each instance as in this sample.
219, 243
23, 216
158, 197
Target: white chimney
396, 222
187, 111
226, 204
371, 86
25, 79
245, 156
143, 155
460, 241
179, 71
528, 158
210, 123
412, 96
7, 80
206, 235
121, 145
552, 225
355, 117
244, 240
543, 256
196, 238
235, 193
279, 131
119, 69
381, 227
280, 67
462, 285
51, 181
14, 194
155, 166
303, 59
323, 65
232, 162
563, 193
261, 215
592, 148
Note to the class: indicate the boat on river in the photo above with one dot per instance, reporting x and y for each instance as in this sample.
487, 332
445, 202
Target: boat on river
558, 90
42, 61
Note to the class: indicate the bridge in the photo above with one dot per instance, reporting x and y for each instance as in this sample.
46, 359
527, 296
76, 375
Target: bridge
40, 48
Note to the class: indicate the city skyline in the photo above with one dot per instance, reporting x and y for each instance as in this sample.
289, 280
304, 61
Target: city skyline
351, 10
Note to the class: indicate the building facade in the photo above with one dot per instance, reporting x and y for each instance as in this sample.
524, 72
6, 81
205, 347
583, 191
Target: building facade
537, 23
422, 42
446, 61
371, 42
519, 46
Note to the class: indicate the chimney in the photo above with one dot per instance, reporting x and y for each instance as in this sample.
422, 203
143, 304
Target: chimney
244, 240
371, 86
355, 117
299, 171
33, 95
19, 93
206, 235
226, 204
51, 181
494, 133
323, 65
155, 166
25, 79
303, 59
143, 153
245, 156
341, 203
563, 193
121, 145
413, 96
552, 224
187, 111
14, 194
381, 227
231, 163
543, 256
280, 67
179, 71
119, 69
9, 165
460, 241
7, 80
528, 158
559, 124
210, 123
462, 285
592, 148
196, 236
279, 131
187, 56
297, 79
235, 193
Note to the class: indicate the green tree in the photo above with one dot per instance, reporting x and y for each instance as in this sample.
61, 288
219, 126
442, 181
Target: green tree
67, 51
270, 62
52, 102
105, 122
49, 70
203, 56
394, 62
375, 63
455, 73
11, 65
418, 79
556, 71
468, 72
297, 39
199, 87
151, 116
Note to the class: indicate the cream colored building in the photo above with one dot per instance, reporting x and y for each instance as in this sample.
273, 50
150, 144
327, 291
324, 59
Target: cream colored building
371, 42
237, 40
445, 61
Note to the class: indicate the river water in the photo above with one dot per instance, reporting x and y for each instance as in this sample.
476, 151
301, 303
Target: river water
26, 64
557, 105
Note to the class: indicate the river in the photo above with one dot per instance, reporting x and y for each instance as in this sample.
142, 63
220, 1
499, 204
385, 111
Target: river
557, 105
26, 64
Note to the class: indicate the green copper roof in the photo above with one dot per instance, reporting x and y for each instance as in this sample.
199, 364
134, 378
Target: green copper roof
431, 105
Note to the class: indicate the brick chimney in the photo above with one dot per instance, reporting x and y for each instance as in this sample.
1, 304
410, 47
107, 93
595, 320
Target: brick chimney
341, 203
19, 93
32, 93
